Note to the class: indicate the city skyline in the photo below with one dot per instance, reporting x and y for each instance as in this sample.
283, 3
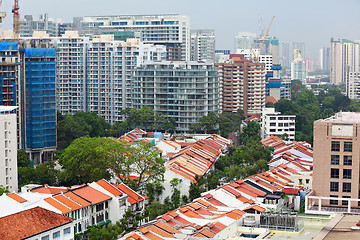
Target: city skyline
311, 22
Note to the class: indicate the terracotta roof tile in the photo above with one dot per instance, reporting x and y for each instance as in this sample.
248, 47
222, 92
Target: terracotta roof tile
49, 190
30, 222
77, 199
134, 197
68, 202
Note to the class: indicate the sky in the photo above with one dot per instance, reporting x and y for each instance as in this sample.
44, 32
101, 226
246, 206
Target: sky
311, 21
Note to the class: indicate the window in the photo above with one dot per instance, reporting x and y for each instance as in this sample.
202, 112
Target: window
272, 130
333, 202
335, 159
347, 146
67, 231
335, 146
346, 187
345, 202
334, 186
45, 237
348, 160
334, 173
272, 124
56, 235
347, 173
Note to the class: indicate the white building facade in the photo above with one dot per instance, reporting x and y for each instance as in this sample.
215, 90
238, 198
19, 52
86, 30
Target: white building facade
202, 45
273, 123
171, 30
8, 148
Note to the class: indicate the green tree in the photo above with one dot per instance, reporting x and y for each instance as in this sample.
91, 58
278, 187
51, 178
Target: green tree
142, 160
146, 116
107, 232
159, 120
296, 88
22, 158
88, 159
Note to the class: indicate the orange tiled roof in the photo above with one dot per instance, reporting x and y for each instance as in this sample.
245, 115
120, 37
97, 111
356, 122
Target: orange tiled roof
133, 196
16, 197
109, 187
91, 194
30, 222
166, 227
58, 205
68, 202
49, 190
77, 199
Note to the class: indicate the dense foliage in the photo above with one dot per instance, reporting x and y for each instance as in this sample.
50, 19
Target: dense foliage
308, 107
221, 124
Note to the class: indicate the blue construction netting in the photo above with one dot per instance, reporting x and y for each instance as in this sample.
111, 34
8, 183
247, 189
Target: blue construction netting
40, 102
274, 84
39, 52
8, 45
276, 67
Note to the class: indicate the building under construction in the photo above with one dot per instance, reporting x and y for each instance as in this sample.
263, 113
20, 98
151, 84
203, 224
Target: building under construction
27, 80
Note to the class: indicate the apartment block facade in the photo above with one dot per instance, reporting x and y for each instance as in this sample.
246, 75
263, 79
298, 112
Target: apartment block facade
337, 159
242, 85
353, 85
171, 30
8, 148
344, 58
276, 86
95, 74
274, 123
202, 45
185, 91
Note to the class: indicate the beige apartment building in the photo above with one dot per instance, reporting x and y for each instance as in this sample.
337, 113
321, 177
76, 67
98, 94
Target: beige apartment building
336, 159
242, 85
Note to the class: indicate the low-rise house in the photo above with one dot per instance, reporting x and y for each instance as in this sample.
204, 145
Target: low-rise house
36, 223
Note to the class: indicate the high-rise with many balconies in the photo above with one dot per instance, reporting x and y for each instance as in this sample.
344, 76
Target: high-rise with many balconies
242, 85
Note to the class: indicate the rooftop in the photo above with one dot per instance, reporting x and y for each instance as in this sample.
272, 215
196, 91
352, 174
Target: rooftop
30, 222
343, 117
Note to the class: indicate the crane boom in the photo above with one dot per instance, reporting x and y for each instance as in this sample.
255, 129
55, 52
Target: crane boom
16, 19
267, 32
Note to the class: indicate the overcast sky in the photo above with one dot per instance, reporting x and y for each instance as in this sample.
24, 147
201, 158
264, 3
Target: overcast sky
311, 21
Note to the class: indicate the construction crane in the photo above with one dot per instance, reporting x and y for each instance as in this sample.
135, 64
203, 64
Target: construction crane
16, 19
2, 14
262, 43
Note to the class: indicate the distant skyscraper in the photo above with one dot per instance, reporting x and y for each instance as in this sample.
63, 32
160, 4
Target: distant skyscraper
202, 45
301, 47
185, 91
30, 24
171, 30
244, 40
345, 57
325, 59
298, 66
222, 55
285, 54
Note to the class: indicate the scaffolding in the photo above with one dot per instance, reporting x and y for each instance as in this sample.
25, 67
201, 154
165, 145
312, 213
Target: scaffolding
281, 221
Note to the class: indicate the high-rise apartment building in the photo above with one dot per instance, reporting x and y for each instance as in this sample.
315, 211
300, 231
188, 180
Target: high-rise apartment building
8, 148
27, 77
325, 59
171, 30
285, 54
30, 24
298, 66
184, 91
353, 85
96, 74
242, 85
337, 159
202, 45
344, 58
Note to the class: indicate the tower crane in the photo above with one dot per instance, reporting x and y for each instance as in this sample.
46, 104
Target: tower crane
262, 43
16, 19
2, 14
